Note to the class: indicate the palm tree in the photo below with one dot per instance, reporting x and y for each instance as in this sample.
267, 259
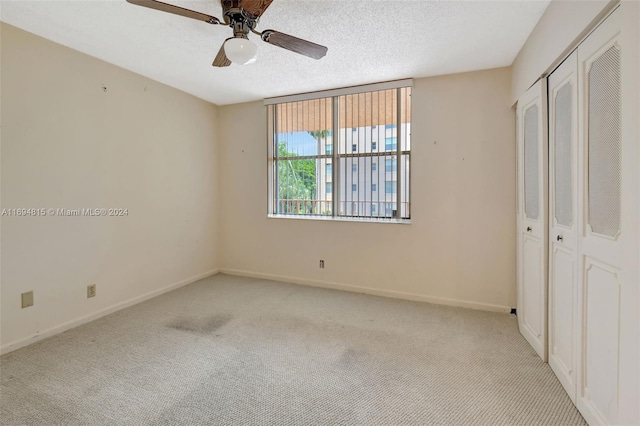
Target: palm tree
296, 180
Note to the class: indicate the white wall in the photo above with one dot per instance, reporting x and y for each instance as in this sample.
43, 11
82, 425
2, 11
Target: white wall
66, 143
563, 24
460, 245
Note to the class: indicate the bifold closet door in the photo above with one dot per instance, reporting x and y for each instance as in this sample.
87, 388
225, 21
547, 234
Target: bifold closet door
608, 221
563, 223
532, 217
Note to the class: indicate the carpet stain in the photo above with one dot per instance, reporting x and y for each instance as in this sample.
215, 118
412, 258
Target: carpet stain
206, 325
352, 357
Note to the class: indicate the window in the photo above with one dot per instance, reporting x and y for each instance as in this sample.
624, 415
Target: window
390, 187
390, 165
309, 133
391, 144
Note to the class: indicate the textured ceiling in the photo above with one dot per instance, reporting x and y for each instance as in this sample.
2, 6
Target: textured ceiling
369, 41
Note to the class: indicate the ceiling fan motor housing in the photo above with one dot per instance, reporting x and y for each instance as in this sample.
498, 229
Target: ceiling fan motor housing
234, 13
240, 29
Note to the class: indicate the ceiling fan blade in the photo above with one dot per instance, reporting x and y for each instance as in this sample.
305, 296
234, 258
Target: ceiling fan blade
221, 59
294, 44
177, 10
255, 7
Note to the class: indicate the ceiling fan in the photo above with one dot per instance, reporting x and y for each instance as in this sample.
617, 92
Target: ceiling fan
243, 17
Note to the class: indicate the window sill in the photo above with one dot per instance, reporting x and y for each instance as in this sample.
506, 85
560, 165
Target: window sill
342, 219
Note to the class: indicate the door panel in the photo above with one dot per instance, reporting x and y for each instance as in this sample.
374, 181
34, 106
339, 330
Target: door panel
532, 217
533, 266
562, 309
563, 228
608, 373
602, 302
531, 163
562, 140
603, 160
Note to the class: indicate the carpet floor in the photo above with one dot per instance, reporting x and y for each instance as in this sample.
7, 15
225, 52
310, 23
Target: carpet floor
239, 351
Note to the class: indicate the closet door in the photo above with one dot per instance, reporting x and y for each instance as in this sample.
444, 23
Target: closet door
532, 217
608, 221
563, 223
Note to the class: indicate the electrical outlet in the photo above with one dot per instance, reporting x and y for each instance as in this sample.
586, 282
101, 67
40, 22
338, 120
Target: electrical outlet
91, 290
321, 264
27, 299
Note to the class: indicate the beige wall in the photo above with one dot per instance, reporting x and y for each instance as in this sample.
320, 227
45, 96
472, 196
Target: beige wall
563, 24
66, 143
461, 242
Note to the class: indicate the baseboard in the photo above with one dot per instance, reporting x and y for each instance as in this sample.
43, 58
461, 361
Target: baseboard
9, 347
373, 291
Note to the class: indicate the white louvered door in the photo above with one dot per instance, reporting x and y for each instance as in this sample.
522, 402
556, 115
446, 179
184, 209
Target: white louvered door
607, 383
563, 223
532, 217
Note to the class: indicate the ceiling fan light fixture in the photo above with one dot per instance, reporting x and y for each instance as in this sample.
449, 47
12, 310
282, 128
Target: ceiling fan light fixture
241, 51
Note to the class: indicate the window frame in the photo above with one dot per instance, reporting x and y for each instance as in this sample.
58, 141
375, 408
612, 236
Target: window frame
401, 175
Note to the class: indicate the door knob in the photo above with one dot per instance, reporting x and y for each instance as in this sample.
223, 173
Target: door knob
559, 238
528, 229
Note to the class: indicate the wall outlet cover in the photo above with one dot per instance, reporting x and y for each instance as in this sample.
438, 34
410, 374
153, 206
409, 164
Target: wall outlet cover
27, 299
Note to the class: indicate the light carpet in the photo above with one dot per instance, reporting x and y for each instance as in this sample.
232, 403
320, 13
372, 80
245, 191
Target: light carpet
239, 351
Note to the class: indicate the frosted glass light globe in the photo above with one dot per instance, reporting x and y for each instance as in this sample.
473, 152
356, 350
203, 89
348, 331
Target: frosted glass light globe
241, 51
